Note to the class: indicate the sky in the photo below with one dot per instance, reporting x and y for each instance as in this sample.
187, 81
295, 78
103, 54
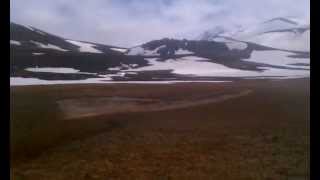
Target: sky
128, 23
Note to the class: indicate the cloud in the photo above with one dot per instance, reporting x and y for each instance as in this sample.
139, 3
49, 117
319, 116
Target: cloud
130, 22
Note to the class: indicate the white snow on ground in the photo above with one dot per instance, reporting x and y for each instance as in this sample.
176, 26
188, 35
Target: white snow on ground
19, 81
119, 50
190, 65
126, 66
29, 27
38, 54
53, 70
49, 46
136, 51
183, 52
85, 47
118, 74
118, 68
56, 70
198, 66
278, 58
236, 45
35, 30
15, 42
131, 73
144, 52
232, 44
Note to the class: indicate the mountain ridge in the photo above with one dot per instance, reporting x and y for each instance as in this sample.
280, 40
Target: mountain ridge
44, 56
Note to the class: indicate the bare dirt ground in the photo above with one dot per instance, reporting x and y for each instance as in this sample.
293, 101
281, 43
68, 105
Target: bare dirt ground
242, 130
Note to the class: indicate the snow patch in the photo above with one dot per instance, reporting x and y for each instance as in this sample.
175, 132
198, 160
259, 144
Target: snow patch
85, 47
38, 54
119, 50
123, 66
15, 42
20, 81
236, 45
136, 51
57, 70
132, 73
144, 52
29, 27
49, 46
117, 68
197, 66
183, 52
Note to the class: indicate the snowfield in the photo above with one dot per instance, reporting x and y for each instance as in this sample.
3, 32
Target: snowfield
15, 42
118, 68
197, 66
145, 52
85, 47
136, 51
49, 46
119, 50
38, 54
29, 27
278, 58
56, 70
189, 66
183, 52
19, 81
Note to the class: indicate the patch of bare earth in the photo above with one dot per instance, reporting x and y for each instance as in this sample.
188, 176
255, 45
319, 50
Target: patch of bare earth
93, 106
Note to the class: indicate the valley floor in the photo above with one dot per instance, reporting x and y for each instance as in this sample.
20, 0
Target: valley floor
250, 129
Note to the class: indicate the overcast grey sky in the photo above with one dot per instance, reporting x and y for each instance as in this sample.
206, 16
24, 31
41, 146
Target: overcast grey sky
131, 22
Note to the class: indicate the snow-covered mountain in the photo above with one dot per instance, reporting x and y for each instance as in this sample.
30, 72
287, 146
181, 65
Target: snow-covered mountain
38, 57
29, 37
280, 33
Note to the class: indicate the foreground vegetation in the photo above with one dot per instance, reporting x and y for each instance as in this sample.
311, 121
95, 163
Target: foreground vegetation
263, 135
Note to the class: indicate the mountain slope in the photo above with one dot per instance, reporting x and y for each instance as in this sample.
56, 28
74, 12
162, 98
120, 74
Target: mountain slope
279, 33
38, 57
31, 38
